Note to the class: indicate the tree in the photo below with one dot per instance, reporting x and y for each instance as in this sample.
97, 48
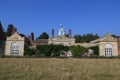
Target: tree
115, 36
51, 50
9, 29
85, 38
77, 51
2, 33
77, 38
44, 35
95, 50
67, 35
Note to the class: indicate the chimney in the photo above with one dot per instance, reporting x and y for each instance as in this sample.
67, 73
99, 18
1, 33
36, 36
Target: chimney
70, 33
30, 38
52, 33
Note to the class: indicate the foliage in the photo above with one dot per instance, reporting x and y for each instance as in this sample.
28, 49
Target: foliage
2, 33
67, 35
51, 50
44, 35
9, 29
85, 38
77, 51
95, 50
28, 51
115, 36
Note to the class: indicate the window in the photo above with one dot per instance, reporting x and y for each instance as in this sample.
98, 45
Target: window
14, 49
108, 50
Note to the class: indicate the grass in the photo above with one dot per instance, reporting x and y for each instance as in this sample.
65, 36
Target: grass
59, 69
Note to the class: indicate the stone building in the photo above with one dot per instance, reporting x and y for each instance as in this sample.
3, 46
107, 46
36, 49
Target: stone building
14, 45
108, 45
61, 38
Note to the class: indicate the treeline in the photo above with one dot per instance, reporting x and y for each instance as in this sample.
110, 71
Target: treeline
85, 38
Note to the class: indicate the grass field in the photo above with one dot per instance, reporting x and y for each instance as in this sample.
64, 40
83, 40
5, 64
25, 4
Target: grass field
59, 69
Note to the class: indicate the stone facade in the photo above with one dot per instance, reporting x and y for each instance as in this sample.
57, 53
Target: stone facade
63, 40
108, 46
14, 45
114, 51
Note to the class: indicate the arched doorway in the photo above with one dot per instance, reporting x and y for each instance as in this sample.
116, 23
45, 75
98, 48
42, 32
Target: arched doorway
14, 49
108, 50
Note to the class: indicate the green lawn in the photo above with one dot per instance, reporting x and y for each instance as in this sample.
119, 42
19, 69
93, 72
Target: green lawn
59, 69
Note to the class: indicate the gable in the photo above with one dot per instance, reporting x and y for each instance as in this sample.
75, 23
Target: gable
15, 37
108, 38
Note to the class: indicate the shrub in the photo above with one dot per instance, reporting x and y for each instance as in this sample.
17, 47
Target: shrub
77, 51
51, 50
95, 50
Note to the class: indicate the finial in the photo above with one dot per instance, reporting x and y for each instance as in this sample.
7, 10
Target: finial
60, 25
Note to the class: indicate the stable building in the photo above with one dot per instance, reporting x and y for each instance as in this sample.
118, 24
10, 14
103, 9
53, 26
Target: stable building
108, 45
14, 45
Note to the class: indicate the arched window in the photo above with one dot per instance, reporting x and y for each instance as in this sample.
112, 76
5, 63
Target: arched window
108, 50
14, 49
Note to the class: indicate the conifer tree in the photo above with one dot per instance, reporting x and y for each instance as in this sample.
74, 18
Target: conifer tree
2, 36
9, 29
44, 35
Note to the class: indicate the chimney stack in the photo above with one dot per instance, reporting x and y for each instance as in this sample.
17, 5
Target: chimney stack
70, 33
52, 33
30, 37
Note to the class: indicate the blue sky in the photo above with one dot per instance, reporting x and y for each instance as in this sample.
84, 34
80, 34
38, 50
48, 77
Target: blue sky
82, 16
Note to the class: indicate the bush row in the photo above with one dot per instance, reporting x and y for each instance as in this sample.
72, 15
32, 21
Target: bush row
54, 51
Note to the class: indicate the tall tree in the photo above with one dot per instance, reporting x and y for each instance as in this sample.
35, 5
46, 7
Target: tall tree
44, 35
9, 29
67, 35
77, 38
2, 33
